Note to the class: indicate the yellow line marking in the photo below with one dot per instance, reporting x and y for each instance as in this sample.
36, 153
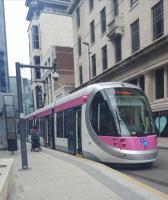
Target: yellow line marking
165, 196
139, 183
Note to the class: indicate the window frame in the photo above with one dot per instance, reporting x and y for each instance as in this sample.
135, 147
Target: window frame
80, 75
103, 20
93, 58
78, 17
133, 3
118, 56
91, 5
104, 57
116, 8
92, 32
35, 37
135, 36
79, 46
160, 18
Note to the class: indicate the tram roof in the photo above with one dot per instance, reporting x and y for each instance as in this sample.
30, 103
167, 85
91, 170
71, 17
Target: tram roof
87, 90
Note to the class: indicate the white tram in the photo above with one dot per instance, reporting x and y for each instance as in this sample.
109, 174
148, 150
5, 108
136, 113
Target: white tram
105, 122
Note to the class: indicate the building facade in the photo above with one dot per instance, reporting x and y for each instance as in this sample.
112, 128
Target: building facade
50, 29
4, 79
114, 41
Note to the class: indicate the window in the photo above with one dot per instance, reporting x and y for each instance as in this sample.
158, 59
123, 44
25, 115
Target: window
38, 96
135, 36
78, 17
142, 82
103, 20
69, 124
60, 124
37, 71
94, 65
92, 31
158, 26
104, 57
79, 46
159, 83
80, 75
35, 37
115, 4
133, 2
101, 117
118, 48
91, 4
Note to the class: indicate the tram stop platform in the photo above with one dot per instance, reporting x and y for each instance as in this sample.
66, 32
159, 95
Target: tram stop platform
54, 175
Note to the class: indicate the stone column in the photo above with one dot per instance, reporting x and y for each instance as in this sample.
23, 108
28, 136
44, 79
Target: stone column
149, 86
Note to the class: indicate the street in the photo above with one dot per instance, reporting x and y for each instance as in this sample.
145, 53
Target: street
156, 176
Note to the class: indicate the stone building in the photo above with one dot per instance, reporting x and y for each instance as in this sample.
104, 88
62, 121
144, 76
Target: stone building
124, 40
49, 32
4, 79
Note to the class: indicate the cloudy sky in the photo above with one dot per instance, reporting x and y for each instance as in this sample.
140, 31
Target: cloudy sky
16, 30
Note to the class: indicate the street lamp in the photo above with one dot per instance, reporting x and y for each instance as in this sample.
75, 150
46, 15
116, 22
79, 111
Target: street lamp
20, 107
88, 45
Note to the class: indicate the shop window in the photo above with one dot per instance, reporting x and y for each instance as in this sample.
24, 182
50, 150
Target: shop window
161, 123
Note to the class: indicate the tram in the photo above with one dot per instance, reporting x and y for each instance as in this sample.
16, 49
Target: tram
106, 122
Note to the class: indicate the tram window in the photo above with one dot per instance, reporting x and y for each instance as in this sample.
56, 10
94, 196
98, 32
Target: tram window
60, 124
101, 117
68, 123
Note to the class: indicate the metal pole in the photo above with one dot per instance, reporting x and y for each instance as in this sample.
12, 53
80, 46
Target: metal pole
21, 124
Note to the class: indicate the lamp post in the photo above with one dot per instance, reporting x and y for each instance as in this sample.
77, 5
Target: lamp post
88, 45
20, 107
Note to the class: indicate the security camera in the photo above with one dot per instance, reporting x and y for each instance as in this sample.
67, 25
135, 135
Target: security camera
56, 76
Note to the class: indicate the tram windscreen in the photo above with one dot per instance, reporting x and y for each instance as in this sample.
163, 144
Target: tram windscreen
132, 111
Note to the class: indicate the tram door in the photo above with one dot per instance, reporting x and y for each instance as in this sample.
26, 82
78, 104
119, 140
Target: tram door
78, 131
69, 130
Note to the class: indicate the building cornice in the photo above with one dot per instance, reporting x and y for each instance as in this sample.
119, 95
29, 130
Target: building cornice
158, 44
73, 6
38, 5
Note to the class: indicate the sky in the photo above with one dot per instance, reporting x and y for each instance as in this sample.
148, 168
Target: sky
17, 37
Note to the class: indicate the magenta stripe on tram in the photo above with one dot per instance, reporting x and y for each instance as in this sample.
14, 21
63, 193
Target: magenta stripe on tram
72, 103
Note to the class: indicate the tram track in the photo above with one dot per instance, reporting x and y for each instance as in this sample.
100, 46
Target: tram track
165, 184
